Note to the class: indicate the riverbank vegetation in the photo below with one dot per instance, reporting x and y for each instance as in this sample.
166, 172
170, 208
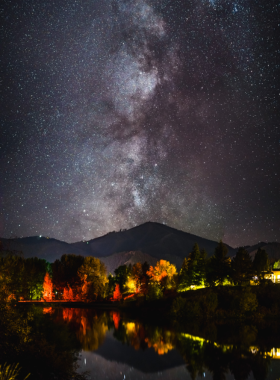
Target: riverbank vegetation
217, 287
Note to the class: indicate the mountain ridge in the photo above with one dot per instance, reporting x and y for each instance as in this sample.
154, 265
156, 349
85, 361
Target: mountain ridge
156, 241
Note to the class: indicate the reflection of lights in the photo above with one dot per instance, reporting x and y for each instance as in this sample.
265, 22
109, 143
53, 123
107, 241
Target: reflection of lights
130, 327
274, 353
48, 310
116, 319
160, 346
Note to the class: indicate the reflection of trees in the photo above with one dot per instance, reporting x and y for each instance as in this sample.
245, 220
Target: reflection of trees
48, 310
239, 358
90, 328
116, 319
42, 347
161, 340
139, 336
237, 351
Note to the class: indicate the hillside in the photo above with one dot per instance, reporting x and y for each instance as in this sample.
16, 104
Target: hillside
42, 247
125, 258
155, 240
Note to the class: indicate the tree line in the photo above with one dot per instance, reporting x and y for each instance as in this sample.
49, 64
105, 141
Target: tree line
78, 278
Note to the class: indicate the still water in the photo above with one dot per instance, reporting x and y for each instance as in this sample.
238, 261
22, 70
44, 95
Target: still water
115, 346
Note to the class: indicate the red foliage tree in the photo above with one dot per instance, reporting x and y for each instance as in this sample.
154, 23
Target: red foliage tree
70, 294
47, 288
117, 296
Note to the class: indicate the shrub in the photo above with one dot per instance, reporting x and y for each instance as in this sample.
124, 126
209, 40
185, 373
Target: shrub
154, 291
178, 307
209, 303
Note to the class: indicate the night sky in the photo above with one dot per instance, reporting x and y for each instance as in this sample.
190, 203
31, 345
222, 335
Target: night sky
118, 112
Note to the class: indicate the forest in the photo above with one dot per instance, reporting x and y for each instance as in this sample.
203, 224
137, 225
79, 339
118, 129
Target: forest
75, 278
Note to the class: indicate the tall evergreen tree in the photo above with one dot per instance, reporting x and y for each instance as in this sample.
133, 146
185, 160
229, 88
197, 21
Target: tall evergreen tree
219, 266
193, 269
261, 264
241, 266
183, 276
202, 264
193, 266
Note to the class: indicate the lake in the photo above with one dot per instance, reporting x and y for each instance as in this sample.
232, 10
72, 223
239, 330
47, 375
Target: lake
114, 345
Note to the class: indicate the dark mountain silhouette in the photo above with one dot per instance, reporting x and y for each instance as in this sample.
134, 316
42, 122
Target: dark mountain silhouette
272, 249
41, 247
156, 240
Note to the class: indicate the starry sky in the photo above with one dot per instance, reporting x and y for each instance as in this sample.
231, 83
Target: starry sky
118, 112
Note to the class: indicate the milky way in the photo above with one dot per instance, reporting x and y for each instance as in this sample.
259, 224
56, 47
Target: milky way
114, 113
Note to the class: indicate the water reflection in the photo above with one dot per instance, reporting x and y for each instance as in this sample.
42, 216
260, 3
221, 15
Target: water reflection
243, 352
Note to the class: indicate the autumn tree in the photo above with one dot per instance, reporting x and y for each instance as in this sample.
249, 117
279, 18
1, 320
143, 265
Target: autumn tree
47, 288
133, 282
137, 275
68, 294
12, 277
163, 273
94, 273
117, 296
65, 294
242, 267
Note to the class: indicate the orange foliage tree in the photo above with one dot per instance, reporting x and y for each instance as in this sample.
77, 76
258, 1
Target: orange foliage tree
68, 294
117, 296
163, 272
65, 294
47, 288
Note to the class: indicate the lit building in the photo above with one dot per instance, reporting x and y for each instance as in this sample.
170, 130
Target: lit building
275, 276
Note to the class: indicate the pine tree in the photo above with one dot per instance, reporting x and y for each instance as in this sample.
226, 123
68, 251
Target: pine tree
201, 268
193, 265
261, 264
242, 267
193, 269
219, 266
47, 288
183, 277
